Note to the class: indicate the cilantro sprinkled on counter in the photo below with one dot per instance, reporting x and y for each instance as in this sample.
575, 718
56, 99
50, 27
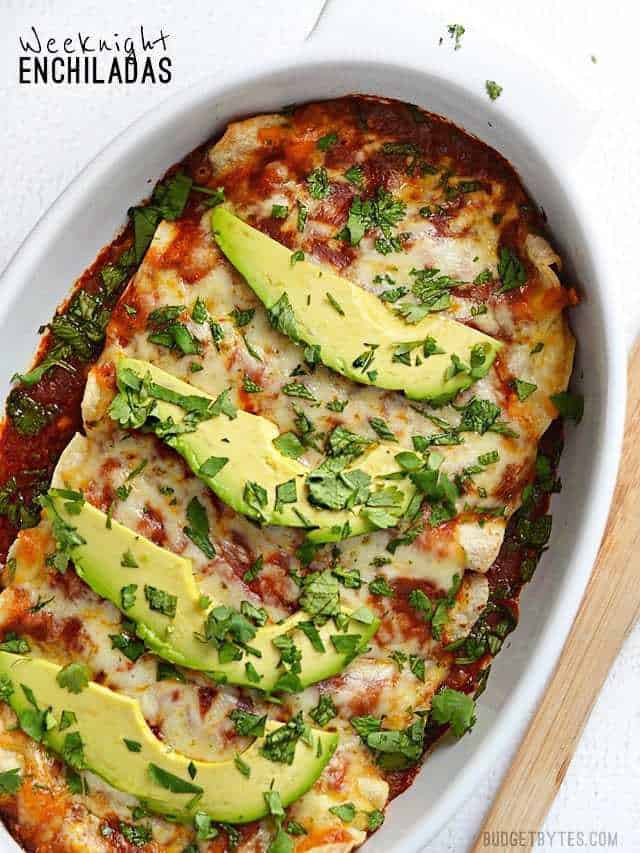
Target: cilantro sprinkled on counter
494, 90
456, 31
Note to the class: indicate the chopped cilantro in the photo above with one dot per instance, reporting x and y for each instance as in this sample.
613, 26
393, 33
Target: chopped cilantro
510, 270
320, 596
569, 405
349, 578
494, 90
131, 648
336, 405
285, 494
198, 527
455, 708
381, 428
248, 724
10, 781
161, 601
212, 466
392, 294
255, 496
28, 415
297, 389
483, 278
346, 812
136, 834
249, 386
355, 176
128, 595
381, 213
254, 569
396, 749
318, 183
73, 750
128, 561
288, 444
14, 644
242, 316
172, 783
302, 216
365, 725
456, 31
324, 711
75, 677
280, 745
335, 305
380, 586
326, 142
524, 389
375, 819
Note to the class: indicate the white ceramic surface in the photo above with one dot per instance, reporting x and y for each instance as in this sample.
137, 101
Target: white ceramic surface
539, 132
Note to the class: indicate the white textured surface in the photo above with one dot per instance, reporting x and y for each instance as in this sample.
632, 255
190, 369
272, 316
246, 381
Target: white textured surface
49, 133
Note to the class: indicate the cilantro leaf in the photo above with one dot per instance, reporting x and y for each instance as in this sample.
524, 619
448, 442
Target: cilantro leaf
198, 528
163, 602
324, 711
524, 389
288, 444
172, 783
510, 270
494, 90
318, 183
569, 405
280, 745
247, 724
10, 781
453, 707
75, 677
346, 812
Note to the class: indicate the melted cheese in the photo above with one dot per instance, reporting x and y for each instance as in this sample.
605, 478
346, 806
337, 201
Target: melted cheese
264, 161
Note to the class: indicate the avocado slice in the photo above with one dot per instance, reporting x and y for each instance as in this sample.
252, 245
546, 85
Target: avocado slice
105, 720
357, 335
122, 566
245, 441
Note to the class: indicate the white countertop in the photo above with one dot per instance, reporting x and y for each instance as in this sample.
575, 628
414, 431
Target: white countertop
50, 132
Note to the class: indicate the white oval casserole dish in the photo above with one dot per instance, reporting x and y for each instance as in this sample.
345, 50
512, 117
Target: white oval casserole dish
539, 130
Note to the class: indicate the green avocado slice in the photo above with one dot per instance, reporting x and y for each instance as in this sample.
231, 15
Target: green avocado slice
149, 394
155, 589
105, 721
357, 335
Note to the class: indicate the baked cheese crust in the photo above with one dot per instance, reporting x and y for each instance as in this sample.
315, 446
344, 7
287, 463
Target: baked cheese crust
463, 205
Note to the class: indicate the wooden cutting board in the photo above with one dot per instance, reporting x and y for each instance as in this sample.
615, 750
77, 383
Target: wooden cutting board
608, 611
